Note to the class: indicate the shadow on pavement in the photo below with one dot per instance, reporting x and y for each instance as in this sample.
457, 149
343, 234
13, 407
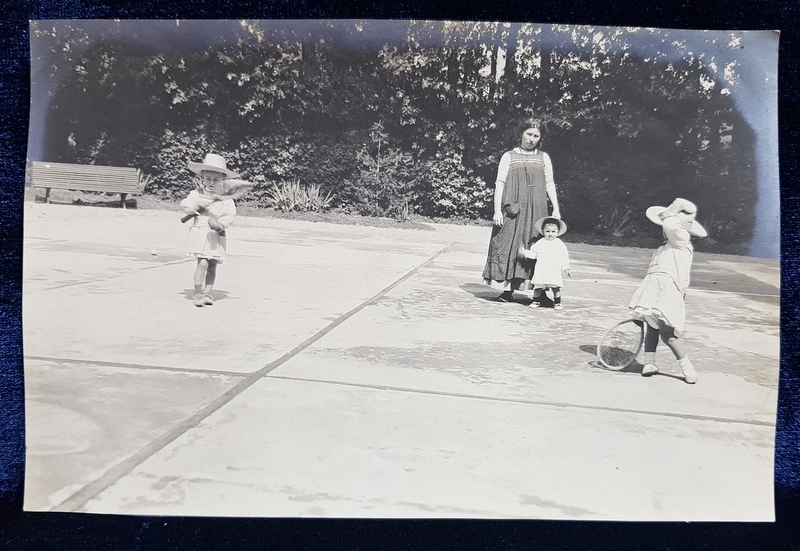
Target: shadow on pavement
486, 293
218, 295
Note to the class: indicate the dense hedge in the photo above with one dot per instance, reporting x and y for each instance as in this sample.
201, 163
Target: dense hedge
412, 121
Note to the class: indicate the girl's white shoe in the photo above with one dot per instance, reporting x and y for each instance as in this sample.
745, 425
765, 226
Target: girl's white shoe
649, 369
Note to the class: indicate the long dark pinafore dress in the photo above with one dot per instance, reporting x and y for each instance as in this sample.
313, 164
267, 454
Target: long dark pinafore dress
524, 184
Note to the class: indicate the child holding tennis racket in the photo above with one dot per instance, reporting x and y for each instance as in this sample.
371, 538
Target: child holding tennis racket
211, 213
552, 259
660, 298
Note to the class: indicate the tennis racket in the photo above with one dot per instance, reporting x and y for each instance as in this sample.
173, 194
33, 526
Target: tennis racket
232, 188
621, 344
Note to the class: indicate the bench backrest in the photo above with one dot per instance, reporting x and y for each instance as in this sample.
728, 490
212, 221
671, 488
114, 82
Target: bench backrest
86, 177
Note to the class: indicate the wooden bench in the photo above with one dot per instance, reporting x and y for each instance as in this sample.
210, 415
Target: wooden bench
107, 179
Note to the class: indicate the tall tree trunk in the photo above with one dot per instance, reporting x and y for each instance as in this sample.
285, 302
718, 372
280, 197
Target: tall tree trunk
452, 74
493, 70
545, 71
511, 53
308, 52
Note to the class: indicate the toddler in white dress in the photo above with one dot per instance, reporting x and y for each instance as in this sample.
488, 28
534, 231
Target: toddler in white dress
552, 260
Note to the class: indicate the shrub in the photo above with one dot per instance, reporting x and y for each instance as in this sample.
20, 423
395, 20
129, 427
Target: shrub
450, 189
173, 180
616, 223
384, 184
294, 197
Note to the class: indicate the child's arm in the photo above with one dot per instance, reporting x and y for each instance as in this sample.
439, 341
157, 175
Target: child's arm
189, 205
224, 215
677, 236
530, 254
565, 260
194, 204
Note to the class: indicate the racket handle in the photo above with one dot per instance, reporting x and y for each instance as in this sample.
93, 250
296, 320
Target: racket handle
188, 217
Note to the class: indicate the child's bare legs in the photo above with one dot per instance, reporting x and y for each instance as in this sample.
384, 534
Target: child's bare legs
200, 275
668, 337
537, 295
556, 297
205, 274
199, 280
211, 277
675, 344
651, 336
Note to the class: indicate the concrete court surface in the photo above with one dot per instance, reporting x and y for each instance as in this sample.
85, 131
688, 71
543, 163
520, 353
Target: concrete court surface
350, 371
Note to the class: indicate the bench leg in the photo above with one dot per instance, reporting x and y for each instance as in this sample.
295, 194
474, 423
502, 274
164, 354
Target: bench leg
124, 196
47, 195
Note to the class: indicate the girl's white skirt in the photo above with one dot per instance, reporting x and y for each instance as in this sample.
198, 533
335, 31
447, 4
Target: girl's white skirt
206, 243
658, 296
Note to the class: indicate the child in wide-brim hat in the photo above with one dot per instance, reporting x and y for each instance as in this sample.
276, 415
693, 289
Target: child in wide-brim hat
213, 214
552, 260
660, 298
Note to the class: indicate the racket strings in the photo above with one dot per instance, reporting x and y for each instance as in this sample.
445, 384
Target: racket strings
620, 346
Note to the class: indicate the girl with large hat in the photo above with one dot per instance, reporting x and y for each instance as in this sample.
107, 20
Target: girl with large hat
213, 213
660, 298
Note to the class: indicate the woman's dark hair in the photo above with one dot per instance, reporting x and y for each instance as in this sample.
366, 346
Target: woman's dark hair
530, 123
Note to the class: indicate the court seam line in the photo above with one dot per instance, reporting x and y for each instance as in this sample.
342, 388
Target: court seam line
521, 401
245, 374
126, 466
115, 276
691, 289
103, 363
104, 278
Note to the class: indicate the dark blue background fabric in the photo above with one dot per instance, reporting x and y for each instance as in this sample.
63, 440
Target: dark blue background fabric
20, 530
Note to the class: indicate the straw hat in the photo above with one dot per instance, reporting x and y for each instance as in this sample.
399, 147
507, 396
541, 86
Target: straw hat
213, 162
685, 210
539, 224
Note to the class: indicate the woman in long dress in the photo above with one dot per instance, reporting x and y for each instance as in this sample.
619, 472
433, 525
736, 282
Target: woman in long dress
523, 186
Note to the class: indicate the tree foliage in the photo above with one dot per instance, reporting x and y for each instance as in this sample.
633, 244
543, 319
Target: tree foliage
414, 116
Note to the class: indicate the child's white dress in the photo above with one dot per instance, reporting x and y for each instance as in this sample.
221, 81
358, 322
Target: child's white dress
661, 292
552, 258
204, 241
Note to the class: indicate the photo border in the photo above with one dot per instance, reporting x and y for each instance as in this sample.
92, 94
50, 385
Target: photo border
89, 531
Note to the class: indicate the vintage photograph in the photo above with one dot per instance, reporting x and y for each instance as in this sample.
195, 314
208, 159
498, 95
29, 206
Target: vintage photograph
401, 269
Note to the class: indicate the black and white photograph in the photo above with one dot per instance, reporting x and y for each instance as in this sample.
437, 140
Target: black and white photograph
404, 269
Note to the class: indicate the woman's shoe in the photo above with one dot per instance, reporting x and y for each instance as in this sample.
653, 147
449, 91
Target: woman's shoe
198, 300
507, 296
689, 375
208, 300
